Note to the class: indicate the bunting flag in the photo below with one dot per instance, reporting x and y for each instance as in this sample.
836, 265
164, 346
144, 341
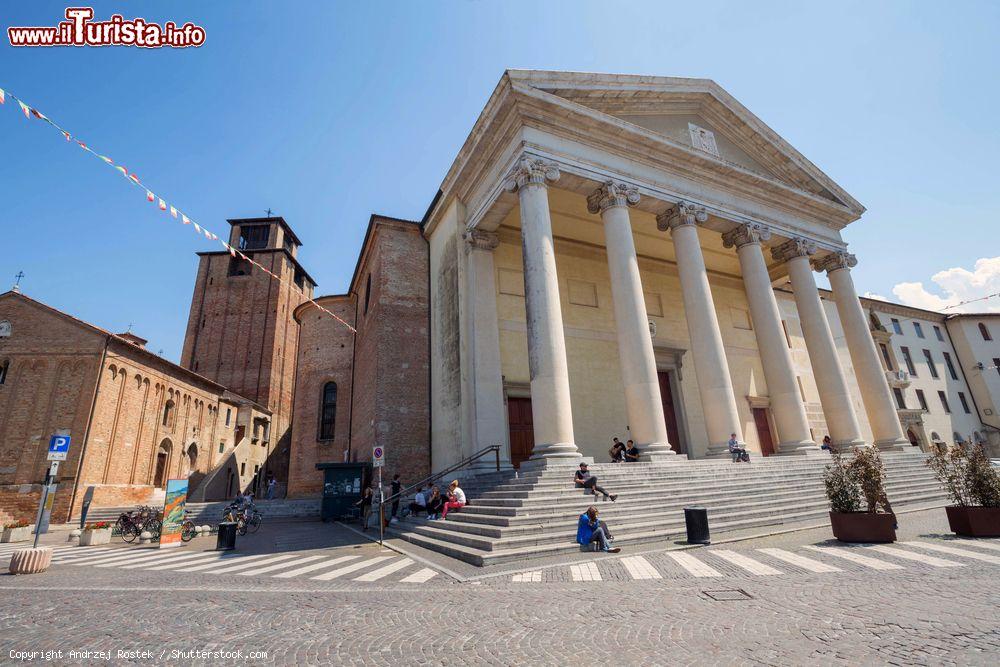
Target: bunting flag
150, 197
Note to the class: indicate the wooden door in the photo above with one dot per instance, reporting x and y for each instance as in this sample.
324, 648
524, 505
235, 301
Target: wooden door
161, 469
763, 431
522, 430
669, 416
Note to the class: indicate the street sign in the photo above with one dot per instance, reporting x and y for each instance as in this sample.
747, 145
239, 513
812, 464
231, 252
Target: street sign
54, 468
378, 457
58, 447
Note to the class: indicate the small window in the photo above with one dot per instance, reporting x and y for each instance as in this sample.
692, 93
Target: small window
950, 366
168, 414
886, 356
922, 400
930, 363
243, 468
239, 267
229, 414
900, 401
4, 367
984, 331
918, 329
788, 339
937, 332
368, 291
944, 402
254, 237
909, 361
895, 326
222, 447
328, 412
965, 403
802, 391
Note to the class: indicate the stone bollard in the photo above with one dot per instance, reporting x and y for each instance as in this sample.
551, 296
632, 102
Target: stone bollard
31, 561
145, 537
206, 529
74, 535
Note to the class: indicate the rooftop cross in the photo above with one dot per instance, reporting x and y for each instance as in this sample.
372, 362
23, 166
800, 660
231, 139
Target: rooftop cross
17, 282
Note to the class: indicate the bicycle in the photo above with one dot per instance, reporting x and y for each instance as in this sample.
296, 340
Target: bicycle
187, 530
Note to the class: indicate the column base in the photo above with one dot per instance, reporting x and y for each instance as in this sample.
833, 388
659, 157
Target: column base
548, 462
719, 451
656, 451
799, 448
893, 445
845, 446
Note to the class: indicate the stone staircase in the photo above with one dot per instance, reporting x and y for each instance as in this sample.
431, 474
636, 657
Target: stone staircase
536, 514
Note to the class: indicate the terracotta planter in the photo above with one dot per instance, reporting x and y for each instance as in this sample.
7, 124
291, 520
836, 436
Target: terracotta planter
16, 534
31, 561
974, 521
863, 527
89, 538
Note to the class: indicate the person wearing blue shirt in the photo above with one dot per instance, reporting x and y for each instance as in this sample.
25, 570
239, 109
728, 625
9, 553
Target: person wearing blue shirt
591, 530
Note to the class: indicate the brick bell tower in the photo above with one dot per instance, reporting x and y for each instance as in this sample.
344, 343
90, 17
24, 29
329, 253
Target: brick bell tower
240, 330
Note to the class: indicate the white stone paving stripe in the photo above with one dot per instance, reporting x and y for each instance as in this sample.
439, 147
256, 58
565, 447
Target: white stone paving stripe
978, 542
527, 577
353, 567
279, 566
965, 553
206, 559
128, 559
79, 552
933, 561
799, 561
426, 574
694, 566
109, 554
385, 570
232, 558
314, 567
233, 567
585, 572
640, 568
171, 558
749, 564
851, 554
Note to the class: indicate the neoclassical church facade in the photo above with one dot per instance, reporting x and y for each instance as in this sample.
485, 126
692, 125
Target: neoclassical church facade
608, 255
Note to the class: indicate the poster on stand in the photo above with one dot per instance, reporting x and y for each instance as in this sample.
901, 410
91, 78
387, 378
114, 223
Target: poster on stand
173, 513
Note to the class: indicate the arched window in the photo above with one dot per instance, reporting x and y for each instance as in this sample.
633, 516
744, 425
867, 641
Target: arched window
168, 414
985, 332
935, 437
328, 411
958, 438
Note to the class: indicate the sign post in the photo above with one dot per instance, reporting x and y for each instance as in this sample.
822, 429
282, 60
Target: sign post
173, 513
378, 461
58, 449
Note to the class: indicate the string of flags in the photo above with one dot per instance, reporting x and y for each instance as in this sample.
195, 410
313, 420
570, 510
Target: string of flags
151, 197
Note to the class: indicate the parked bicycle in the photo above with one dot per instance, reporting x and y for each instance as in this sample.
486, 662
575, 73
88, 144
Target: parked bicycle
245, 515
143, 518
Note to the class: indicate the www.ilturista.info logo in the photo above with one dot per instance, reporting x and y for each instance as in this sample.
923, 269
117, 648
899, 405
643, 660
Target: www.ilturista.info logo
80, 30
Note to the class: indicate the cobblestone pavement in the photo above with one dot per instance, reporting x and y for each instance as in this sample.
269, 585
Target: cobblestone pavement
932, 605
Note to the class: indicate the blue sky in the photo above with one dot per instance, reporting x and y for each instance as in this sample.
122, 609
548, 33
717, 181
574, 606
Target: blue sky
328, 111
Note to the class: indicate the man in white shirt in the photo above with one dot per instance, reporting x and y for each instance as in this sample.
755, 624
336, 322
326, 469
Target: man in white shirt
419, 503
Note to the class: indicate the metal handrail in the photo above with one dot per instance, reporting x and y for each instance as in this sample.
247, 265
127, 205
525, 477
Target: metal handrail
447, 471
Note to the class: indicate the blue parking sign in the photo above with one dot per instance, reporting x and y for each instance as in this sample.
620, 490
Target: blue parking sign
58, 447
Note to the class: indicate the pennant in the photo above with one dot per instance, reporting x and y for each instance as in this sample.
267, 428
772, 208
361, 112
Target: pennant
163, 205
82, 145
2, 98
231, 249
185, 219
106, 159
38, 114
123, 170
134, 179
25, 109
196, 227
209, 235
173, 211
214, 237
149, 196
66, 134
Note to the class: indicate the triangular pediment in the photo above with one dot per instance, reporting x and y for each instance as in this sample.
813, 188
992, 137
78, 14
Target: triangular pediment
697, 114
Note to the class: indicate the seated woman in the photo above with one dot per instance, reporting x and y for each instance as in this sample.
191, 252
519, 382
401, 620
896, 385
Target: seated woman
434, 504
591, 530
617, 451
456, 499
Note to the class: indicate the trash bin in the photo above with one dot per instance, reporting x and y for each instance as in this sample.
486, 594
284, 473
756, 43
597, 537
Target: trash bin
696, 520
227, 536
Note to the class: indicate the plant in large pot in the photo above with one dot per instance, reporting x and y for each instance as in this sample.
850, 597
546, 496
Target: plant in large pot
974, 486
17, 531
847, 483
98, 532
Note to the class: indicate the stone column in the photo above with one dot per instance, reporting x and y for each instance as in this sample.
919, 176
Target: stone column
550, 398
779, 373
489, 416
710, 366
635, 345
841, 420
875, 390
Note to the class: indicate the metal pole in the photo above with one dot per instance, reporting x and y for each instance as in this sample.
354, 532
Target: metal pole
497, 452
381, 508
41, 505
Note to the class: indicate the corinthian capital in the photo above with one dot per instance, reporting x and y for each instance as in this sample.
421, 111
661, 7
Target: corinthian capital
531, 171
796, 247
481, 240
612, 194
682, 213
834, 261
745, 234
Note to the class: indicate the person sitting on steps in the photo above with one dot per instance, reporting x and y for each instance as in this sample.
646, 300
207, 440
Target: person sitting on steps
588, 482
434, 503
631, 453
418, 505
617, 451
737, 449
456, 499
590, 530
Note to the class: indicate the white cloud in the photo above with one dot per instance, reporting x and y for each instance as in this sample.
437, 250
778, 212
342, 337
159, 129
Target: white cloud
954, 286
873, 295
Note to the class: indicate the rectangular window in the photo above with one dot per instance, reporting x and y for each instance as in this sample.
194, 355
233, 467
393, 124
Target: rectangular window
239, 267
229, 414
909, 361
222, 447
900, 401
985, 332
930, 363
944, 402
254, 237
965, 404
918, 329
922, 400
895, 326
788, 339
951, 366
937, 332
886, 356
243, 468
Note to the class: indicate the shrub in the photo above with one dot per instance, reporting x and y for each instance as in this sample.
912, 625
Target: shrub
967, 475
949, 466
97, 525
20, 523
841, 489
869, 474
982, 479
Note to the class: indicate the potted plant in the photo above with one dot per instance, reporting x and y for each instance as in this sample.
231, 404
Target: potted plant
18, 531
847, 482
95, 533
974, 486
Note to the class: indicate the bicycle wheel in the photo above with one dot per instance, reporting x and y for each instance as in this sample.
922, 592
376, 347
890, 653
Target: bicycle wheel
153, 526
130, 531
187, 531
241, 526
254, 524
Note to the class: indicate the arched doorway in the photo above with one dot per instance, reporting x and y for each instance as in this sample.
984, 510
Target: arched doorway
192, 455
912, 437
162, 460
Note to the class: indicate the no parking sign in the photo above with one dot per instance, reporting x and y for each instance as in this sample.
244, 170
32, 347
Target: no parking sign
378, 457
